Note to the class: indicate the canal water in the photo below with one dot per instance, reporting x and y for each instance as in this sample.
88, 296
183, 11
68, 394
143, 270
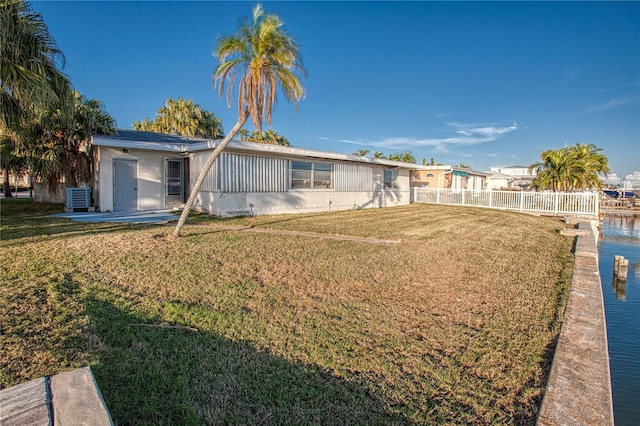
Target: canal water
621, 236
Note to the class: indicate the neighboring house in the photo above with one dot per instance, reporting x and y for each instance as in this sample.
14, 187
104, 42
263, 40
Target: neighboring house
21, 180
149, 171
499, 181
522, 178
448, 177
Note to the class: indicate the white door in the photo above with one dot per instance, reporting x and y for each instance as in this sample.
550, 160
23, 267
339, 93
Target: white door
125, 185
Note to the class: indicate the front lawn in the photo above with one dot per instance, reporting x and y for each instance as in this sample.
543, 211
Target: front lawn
453, 323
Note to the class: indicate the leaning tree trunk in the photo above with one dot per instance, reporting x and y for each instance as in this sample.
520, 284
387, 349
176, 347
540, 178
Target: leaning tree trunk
205, 169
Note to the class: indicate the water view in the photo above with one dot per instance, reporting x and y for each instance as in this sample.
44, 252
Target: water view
621, 236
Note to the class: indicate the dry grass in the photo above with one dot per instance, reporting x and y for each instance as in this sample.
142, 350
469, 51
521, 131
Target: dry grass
453, 325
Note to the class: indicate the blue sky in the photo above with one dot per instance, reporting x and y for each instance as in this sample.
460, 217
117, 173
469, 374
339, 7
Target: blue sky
481, 83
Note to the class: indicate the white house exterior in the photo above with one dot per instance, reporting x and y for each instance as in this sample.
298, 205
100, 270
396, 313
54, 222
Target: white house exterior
148, 171
499, 181
522, 177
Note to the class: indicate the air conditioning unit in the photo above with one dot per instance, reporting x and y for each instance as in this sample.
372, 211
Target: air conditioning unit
78, 199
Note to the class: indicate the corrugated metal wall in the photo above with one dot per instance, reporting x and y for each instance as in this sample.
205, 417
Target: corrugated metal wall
197, 163
251, 173
352, 177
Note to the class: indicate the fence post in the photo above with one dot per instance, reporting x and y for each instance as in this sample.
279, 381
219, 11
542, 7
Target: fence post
490, 198
555, 203
521, 200
438, 196
464, 191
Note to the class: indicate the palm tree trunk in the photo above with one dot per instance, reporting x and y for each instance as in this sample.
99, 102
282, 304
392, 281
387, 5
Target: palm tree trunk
6, 185
205, 169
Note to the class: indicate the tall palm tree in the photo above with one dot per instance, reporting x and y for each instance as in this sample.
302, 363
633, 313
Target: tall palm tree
29, 58
362, 152
263, 57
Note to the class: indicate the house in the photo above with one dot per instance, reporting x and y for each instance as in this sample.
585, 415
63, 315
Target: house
448, 177
499, 181
136, 170
522, 177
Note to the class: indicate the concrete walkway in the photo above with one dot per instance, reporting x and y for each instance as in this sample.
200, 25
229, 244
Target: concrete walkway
579, 387
70, 398
161, 216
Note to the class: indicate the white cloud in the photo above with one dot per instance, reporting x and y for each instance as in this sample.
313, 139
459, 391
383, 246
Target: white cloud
610, 104
464, 134
633, 179
620, 86
612, 179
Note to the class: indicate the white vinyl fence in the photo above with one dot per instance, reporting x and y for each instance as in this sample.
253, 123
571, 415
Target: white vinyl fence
579, 203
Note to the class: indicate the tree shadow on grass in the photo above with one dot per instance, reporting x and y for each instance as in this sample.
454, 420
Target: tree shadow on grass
154, 374
22, 218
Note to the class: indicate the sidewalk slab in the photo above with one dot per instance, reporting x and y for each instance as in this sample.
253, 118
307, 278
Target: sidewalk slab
25, 404
71, 398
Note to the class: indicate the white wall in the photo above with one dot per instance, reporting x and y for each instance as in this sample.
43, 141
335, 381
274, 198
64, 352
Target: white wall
150, 171
260, 203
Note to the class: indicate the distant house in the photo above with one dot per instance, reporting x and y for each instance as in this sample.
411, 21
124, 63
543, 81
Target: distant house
448, 177
499, 181
522, 178
149, 171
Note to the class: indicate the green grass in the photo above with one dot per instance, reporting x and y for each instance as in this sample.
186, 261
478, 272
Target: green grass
454, 324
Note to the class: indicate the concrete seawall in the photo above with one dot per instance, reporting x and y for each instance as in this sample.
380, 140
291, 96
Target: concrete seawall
579, 388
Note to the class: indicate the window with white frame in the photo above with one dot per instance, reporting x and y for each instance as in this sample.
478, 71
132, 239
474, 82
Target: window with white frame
391, 178
174, 177
311, 175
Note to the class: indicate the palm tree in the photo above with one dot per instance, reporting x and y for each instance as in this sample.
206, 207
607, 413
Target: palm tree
551, 171
379, 155
182, 117
274, 138
29, 57
404, 156
362, 152
145, 125
575, 167
263, 57
56, 143
589, 164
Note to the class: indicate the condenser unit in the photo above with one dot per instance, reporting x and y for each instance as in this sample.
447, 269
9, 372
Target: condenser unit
78, 199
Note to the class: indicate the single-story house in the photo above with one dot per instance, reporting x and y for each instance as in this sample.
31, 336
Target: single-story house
448, 177
136, 170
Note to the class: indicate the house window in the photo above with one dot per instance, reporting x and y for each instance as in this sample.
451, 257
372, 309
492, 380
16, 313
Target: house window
391, 178
429, 175
174, 177
311, 175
